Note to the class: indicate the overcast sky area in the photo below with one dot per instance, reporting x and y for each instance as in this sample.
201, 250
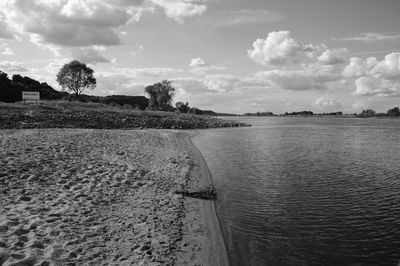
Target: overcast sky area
226, 55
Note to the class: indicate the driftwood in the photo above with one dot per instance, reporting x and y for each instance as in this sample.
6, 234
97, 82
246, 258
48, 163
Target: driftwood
208, 193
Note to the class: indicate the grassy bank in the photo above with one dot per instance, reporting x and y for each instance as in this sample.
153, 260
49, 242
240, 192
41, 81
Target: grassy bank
61, 114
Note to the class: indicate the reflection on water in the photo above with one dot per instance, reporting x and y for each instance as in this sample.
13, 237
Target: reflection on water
308, 191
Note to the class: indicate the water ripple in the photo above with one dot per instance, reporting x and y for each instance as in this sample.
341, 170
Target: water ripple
308, 192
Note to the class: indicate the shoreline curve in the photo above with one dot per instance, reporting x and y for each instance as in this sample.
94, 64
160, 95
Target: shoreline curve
217, 252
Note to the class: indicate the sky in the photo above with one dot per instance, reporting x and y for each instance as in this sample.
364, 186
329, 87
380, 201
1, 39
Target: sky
225, 55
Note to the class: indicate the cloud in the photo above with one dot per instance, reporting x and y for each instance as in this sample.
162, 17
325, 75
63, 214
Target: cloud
247, 17
12, 66
311, 77
370, 37
220, 84
358, 67
5, 32
280, 49
198, 62
118, 85
324, 102
374, 77
333, 56
69, 22
181, 9
89, 55
58, 24
155, 72
200, 67
370, 86
7, 51
139, 49
389, 68
300, 67
296, 80
190, 85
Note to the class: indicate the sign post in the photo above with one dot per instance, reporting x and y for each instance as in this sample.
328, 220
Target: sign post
30, 96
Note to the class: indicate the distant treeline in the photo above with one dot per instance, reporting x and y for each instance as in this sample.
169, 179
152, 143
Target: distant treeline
11, 92
371, 113
259, 114
364, 114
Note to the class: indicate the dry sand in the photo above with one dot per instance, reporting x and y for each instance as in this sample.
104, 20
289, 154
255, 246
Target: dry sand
104, 197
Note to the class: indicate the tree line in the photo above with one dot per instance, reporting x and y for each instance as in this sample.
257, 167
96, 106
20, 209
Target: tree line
76, 77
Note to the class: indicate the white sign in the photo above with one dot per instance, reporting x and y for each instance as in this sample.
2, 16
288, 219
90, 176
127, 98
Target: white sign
31, 95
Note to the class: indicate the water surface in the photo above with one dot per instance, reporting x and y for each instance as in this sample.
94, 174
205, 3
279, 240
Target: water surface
307, 191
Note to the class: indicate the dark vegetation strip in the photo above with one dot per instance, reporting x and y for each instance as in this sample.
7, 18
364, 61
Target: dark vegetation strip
11, 118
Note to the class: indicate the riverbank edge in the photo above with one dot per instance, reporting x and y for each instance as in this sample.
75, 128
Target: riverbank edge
216, 251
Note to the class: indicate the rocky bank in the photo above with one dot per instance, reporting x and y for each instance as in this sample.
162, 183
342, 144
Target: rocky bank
37, 117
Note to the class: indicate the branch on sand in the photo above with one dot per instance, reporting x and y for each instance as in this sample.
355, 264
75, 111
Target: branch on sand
208, 193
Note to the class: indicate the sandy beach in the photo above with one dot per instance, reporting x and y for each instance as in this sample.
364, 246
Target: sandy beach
104, 197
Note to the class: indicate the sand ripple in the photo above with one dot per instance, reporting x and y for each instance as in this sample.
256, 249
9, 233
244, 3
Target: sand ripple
90, 197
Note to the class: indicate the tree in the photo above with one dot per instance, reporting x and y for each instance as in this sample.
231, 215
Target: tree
182, 107
4, 77
195, 111
76, 77
393, 112
367, 113
160, 95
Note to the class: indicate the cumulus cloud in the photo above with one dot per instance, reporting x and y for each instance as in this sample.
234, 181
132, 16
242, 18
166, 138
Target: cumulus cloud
359, 67
190, 85
374, 77
7, 51
219, 84
68, 23
301, 67
333, 56
181, 9
280, 48
370, 37
313, 77
89, 55
198, 62
83, 23
325, 102
199, 66
389, 68
296, 80
370, 86
12, 66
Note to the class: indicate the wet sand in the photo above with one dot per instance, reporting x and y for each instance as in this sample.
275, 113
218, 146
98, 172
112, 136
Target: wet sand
104, 197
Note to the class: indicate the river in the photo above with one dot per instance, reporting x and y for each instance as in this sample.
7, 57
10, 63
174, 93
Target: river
307, 190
